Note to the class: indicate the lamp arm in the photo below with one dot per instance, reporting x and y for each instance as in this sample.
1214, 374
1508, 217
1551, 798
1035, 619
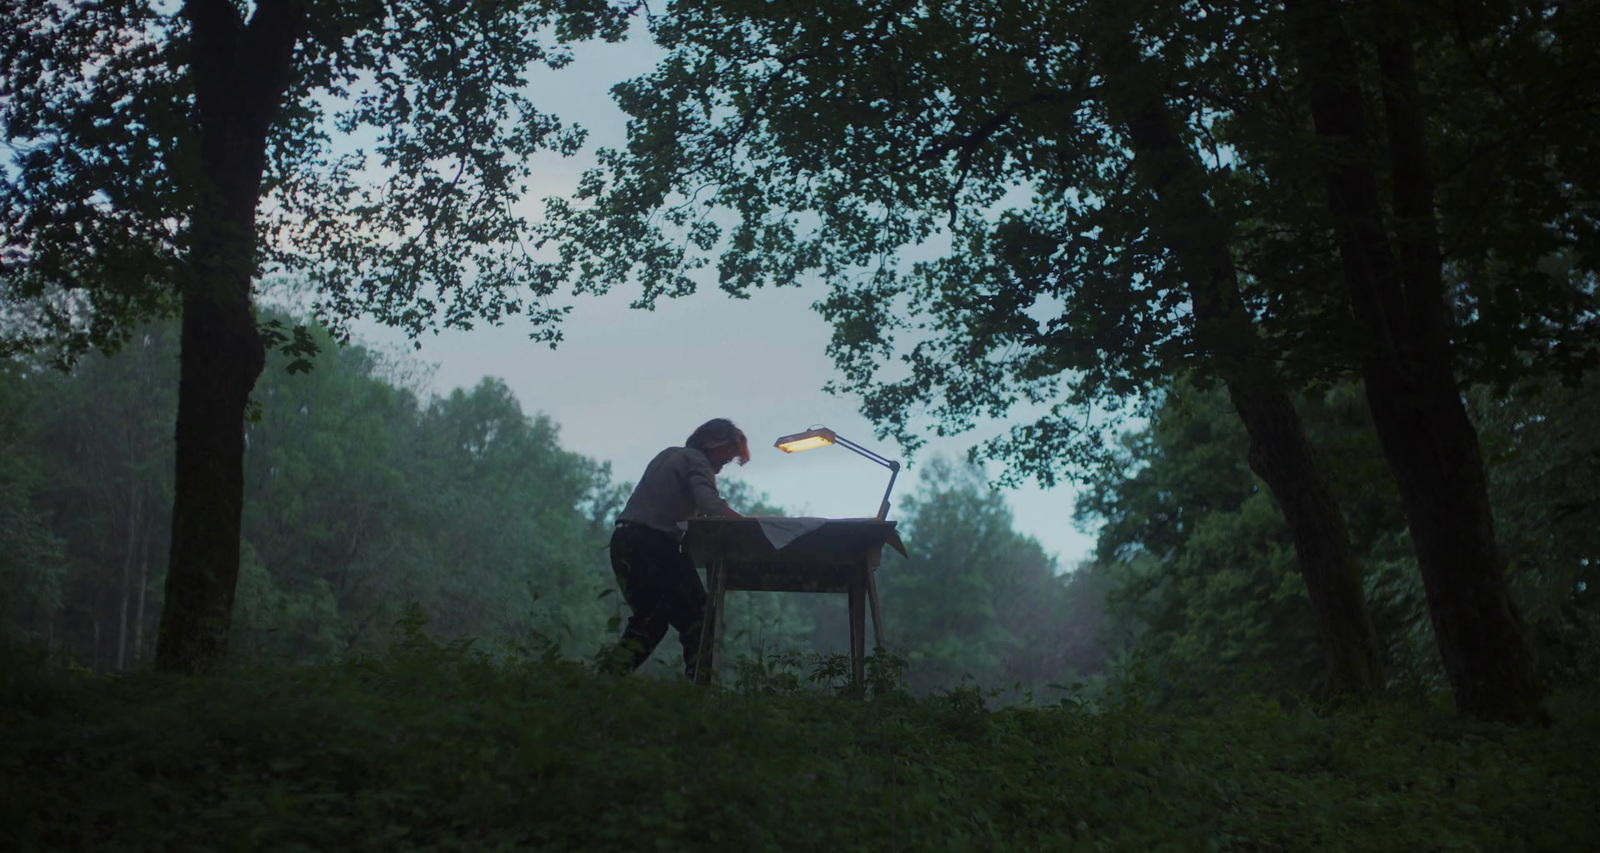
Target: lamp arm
883, 508
892, 465
881, 460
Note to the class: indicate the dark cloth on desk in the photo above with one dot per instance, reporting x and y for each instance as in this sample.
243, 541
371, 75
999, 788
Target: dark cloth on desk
660, 584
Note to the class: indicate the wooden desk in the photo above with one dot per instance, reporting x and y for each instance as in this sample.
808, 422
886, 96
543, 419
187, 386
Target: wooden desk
841, 555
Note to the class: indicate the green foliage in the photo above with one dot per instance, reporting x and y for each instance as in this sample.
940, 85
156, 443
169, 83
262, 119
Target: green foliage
792, 673
32, 558
1543, 457
441, 746
99, 443
923, 122
359, 498
962, 182
975, 599
404, 138
1202, 559
1204, 562
464, 504
298, 343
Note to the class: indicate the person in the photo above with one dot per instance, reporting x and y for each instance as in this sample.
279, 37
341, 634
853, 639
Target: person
656, 575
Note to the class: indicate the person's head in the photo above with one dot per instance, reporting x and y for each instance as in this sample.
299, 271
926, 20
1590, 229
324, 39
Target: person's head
721, 442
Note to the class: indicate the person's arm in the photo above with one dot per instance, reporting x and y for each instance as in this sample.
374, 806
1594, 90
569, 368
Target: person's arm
703, 486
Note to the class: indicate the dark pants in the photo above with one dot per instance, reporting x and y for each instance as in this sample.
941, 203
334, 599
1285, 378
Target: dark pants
661, 586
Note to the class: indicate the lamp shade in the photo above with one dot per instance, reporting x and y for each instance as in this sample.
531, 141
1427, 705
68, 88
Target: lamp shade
816, 437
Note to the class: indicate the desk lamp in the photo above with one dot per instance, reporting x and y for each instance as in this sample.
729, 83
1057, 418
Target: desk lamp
822, 436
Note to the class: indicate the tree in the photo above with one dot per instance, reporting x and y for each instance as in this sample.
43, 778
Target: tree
1201, 242
161, 158
514, 540
32, 557
331, 530
1543, 459
1395, 276
1198, 554
1201, 556
101, 441
975, 598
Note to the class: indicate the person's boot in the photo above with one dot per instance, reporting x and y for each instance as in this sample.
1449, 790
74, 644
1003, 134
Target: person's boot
620, 659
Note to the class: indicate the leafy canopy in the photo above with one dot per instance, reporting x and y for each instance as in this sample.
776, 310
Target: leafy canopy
953, 173
393, 168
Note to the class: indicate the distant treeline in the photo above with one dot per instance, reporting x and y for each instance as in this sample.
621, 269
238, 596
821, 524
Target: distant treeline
364, 496
361, 496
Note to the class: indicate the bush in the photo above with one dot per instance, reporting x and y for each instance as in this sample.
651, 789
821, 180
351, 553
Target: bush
446, 747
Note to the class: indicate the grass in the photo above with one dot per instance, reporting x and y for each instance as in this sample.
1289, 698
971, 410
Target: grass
442, 748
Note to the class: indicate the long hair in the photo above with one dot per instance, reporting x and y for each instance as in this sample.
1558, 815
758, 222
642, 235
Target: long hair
719, 432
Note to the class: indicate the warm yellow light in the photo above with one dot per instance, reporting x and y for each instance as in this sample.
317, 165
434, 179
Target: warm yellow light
819, 437
804, 444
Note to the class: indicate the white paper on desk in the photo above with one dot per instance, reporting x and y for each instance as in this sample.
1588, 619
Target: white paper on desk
781, 531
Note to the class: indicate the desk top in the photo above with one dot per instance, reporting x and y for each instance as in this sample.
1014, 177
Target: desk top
832, 538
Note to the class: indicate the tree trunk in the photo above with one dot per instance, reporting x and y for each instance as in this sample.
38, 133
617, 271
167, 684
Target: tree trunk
135, 527
1280, 453
220, 360
122, 620
138, 610
240, 72
1421, 421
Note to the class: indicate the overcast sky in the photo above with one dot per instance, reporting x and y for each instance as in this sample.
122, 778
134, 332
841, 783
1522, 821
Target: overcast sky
626, 383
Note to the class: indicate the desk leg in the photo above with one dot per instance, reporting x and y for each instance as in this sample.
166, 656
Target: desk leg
872, 599
718, 597
707, 659
858, 633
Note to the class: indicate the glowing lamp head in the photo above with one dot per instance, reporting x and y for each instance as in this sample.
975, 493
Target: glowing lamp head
817, 437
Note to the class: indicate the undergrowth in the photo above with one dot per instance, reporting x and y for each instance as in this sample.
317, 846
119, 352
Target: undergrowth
444, 747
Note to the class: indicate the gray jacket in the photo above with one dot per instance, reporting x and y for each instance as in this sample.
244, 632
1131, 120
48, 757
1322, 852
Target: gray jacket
676, 485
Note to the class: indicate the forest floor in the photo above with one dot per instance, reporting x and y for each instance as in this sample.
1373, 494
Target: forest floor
441, 748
